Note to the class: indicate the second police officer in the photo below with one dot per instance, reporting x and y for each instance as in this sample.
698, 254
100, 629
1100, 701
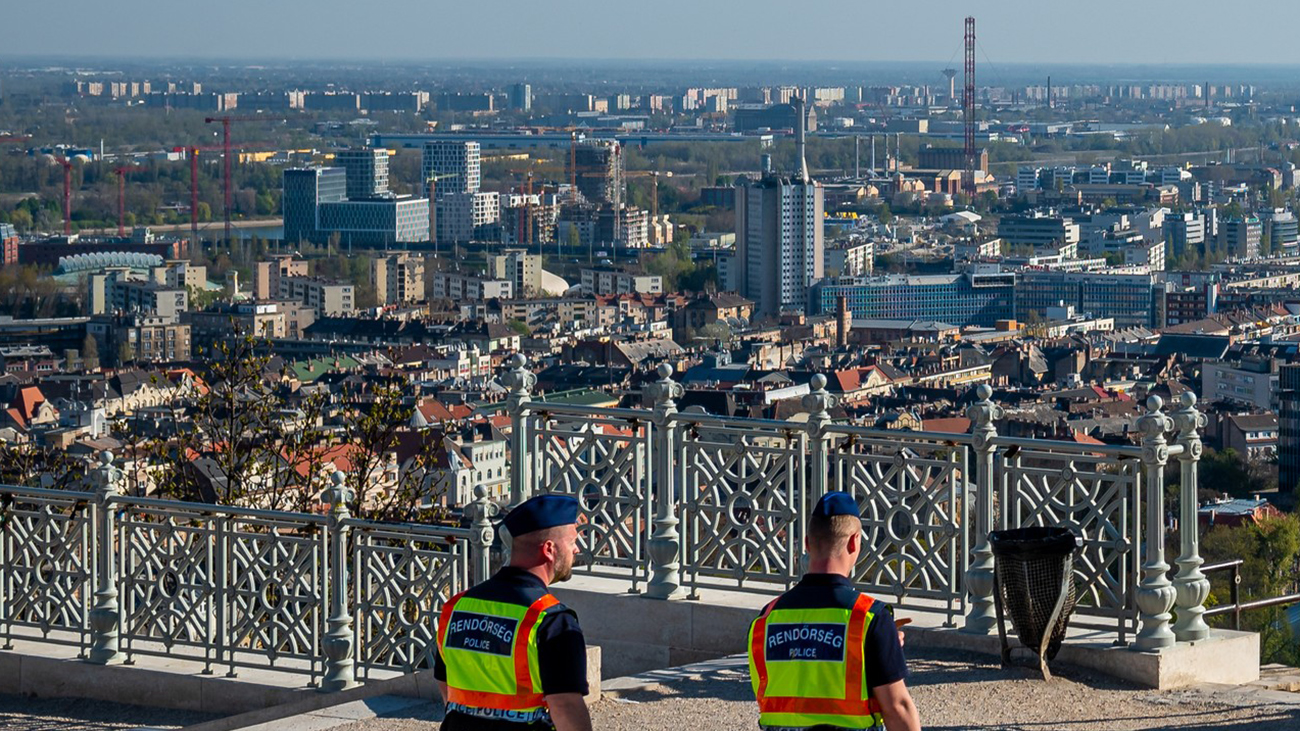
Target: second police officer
823, 655
510, 656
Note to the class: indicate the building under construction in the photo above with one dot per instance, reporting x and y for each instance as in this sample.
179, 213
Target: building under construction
596, 167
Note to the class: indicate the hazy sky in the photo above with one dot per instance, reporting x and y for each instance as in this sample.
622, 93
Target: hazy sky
1095, 31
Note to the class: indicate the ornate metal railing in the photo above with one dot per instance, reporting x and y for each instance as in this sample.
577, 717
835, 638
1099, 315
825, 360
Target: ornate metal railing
694, 500
671, 501
330, 596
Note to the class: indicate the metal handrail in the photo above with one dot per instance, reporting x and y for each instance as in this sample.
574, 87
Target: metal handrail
1237, 607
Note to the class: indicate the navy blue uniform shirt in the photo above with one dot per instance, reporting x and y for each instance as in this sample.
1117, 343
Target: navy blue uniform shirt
561, 648
883, 655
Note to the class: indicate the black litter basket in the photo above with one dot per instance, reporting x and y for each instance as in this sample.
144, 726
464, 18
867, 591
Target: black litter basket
1034, 583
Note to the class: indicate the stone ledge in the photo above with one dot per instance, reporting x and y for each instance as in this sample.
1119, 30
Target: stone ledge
1226, 657
256, 696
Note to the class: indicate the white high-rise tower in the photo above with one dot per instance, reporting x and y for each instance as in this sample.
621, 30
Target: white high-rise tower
780, 244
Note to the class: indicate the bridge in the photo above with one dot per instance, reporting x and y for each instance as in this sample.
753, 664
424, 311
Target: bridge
688, 519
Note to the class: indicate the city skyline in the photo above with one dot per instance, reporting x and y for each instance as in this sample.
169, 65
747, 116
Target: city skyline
834, 31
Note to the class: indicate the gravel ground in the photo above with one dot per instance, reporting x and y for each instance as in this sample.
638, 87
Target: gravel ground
21, 713
953, 690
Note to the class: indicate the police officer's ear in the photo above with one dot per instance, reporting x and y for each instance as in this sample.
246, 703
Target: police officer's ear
854, 544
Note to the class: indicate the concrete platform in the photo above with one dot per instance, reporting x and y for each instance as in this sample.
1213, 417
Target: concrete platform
54, 671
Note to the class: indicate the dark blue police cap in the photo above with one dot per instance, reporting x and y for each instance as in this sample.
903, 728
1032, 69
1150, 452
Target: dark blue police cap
836, 503
541, 512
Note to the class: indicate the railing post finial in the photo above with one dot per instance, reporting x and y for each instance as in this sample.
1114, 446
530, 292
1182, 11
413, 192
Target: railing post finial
818, 402
520, 381
1191, 588
338, 642
105, 616
981, 617
665, 545
480, 512
1155, 594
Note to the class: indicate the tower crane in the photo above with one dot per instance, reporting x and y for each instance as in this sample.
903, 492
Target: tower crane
67, 195
225, 121
192, 152
121, 198
433, 207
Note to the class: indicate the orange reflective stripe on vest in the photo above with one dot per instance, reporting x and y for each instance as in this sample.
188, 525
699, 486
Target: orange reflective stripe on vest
523, 676
757, 652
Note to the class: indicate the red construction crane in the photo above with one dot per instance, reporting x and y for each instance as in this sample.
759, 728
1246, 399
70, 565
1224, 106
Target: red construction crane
67, 195
121, 198
968, 108
192, 152
225, 144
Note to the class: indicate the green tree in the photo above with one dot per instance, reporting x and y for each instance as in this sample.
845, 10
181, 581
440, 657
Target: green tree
90, 353
22, 219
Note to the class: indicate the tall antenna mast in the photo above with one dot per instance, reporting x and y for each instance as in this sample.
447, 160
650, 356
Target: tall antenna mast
968, 105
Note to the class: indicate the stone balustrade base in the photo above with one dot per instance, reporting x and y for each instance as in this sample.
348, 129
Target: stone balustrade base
639, 635
1226, 657
54, 671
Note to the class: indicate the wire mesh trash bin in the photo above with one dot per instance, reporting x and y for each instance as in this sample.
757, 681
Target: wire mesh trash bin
1034, 583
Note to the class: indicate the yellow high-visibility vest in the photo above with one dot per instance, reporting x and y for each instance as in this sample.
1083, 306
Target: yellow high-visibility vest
807, 667
489, 650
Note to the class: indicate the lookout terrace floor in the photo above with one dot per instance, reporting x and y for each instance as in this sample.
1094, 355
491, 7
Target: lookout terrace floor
954, 690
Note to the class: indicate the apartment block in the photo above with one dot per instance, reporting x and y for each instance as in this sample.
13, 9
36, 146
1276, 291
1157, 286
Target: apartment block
327, 298
464, 287
398, 278
608, 281
521, 269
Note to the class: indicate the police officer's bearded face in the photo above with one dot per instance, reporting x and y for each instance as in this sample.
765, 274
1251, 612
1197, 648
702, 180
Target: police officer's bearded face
566, 548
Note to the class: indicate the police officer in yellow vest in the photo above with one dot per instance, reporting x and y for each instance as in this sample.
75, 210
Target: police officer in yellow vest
510, 657
823, 655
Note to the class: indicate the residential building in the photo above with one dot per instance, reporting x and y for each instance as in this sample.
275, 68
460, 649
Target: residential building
1288, 444
1240, 237
1038, 229
1253, 436
610, 281
1185, 232
978, 297
455, 163
131, 295
398, 278
729, 309
140, 338
521, 269
1253, 383
521, 97
1131, 298
266, 280
463, 287
466, 216
8, 244
366, 172
327, 298
780, 238
855, 259
181, 274
1283, 231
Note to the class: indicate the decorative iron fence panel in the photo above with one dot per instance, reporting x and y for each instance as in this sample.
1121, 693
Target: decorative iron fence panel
742, 487
1096, 494
47, 564
603, 459
401, 578
912, 492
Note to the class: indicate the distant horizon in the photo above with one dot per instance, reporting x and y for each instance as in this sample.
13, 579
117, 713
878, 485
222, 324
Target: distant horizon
1201, 32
